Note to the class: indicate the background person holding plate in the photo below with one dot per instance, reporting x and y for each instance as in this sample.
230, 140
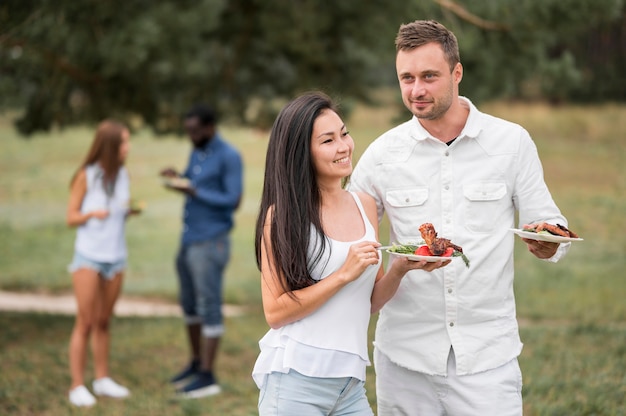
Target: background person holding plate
98, 208
212, 185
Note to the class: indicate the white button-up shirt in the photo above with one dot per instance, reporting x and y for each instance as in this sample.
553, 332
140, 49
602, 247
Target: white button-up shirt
470, 191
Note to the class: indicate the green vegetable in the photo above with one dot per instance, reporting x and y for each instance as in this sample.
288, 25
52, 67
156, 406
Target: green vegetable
463, 256
404, 248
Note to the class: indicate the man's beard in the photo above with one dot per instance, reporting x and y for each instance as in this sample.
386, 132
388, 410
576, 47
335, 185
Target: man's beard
439, 108
201, 142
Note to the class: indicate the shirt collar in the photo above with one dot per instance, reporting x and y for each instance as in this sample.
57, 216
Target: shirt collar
471, 129
211, 143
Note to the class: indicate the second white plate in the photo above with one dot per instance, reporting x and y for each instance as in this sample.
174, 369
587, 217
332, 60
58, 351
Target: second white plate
544, 237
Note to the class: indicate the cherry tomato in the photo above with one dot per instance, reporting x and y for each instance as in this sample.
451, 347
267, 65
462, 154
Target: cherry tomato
423, 251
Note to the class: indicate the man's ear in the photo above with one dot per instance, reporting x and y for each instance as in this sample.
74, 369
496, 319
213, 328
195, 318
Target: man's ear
457, 73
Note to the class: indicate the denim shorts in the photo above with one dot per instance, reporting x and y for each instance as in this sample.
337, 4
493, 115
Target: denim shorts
200, 269
296, 394
105, 270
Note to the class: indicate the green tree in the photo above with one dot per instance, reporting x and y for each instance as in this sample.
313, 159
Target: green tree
68, 61
538, 49
81, 60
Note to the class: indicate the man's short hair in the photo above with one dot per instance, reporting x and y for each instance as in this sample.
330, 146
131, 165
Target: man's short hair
204, 113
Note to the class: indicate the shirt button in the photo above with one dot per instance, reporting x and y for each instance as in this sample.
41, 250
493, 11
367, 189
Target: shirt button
407, 200
447, 153
449, 290
446, 187
451, 323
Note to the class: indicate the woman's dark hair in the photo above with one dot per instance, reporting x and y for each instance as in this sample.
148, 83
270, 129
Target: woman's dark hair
291, 192
105, 150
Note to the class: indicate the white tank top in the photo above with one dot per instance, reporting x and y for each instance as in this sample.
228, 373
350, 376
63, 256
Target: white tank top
332, 341
104, 240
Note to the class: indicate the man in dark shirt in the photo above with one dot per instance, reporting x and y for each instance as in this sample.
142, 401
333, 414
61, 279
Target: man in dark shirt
212, 185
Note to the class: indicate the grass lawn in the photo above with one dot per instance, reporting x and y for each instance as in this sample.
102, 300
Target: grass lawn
573, 313
568, 369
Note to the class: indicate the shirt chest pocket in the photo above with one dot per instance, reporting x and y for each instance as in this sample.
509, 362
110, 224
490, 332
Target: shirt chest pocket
485, 205
405, 208
401, 198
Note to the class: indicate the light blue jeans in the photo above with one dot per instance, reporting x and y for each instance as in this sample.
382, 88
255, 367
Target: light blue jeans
295, 394
200, 269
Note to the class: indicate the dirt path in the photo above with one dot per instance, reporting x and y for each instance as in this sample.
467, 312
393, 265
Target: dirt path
66, 305
129, 306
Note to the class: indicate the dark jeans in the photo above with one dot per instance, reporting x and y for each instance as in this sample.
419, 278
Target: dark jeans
200, 269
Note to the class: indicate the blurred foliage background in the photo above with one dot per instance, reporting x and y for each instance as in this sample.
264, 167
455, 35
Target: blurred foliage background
65, 62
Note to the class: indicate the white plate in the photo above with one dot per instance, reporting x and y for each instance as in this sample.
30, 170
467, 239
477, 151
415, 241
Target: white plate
544, 237
177, 182
430, 259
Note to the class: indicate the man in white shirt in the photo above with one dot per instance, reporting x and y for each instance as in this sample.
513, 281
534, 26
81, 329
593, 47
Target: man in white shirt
447, 342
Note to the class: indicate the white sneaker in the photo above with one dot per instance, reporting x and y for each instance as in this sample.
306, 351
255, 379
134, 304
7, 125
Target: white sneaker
105, 386
80, 396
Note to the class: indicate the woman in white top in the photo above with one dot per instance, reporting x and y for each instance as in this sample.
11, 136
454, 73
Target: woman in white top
98, 207
316, 246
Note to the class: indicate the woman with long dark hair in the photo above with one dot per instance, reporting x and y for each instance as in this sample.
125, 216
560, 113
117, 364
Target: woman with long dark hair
98, 207
316, 247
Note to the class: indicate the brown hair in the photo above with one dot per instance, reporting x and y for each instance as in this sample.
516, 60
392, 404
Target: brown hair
105, 150
421, 32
